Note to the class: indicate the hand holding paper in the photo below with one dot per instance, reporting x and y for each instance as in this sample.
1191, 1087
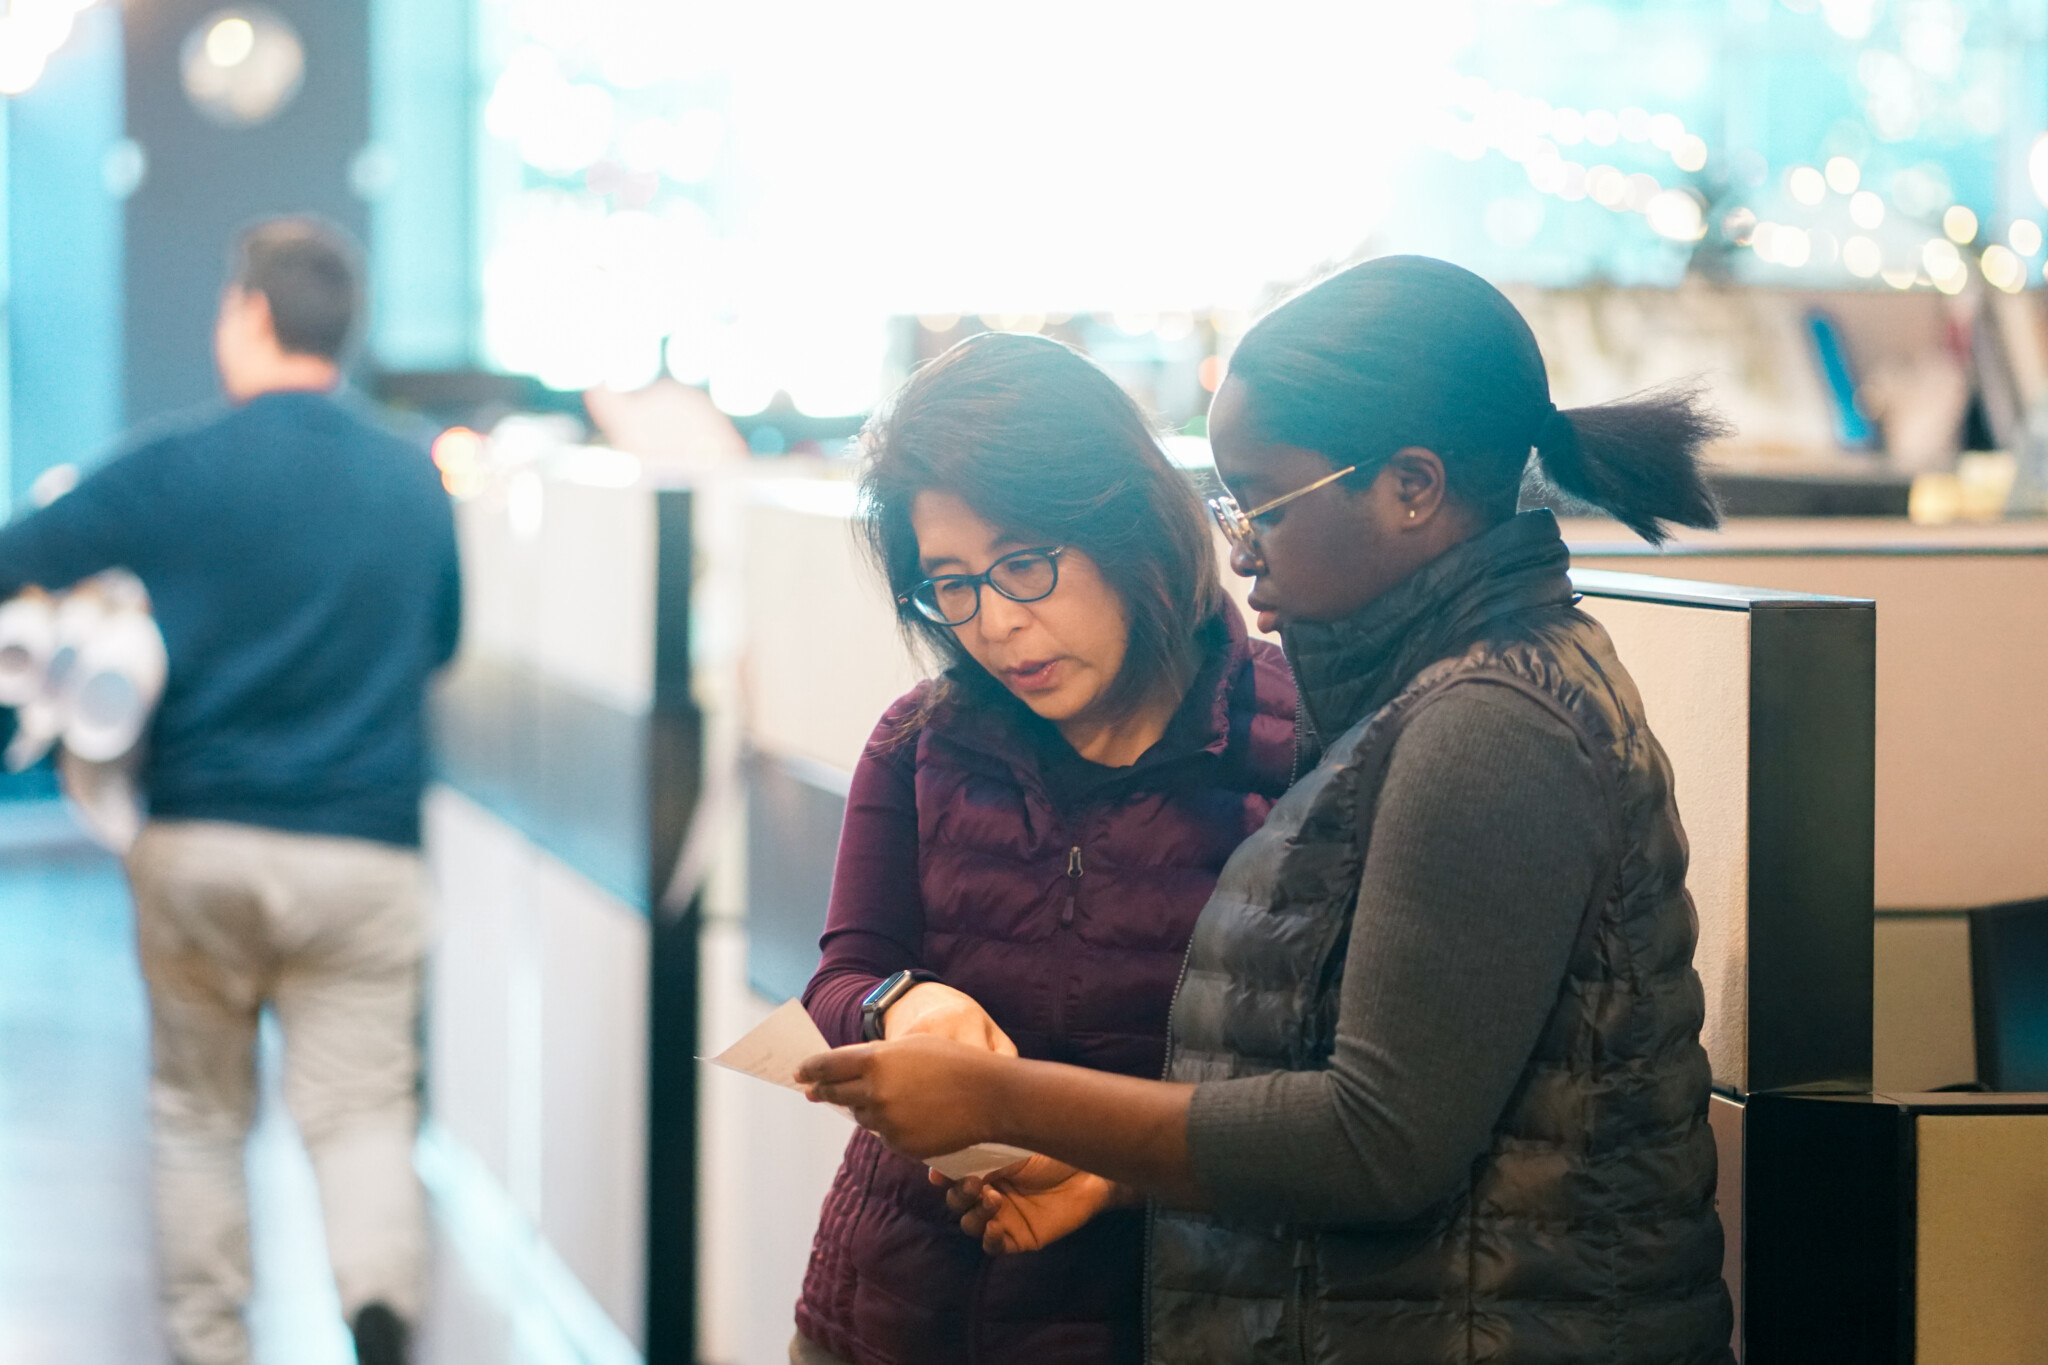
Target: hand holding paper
1031, 1205
786, 1039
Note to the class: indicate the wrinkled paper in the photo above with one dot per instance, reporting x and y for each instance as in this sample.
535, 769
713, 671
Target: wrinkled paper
774, 1049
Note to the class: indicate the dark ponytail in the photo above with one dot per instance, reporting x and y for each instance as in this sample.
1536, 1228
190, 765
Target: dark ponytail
1637, 458
1408, 351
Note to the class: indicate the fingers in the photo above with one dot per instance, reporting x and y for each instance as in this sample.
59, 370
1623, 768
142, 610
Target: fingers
965, 1195
996, 1242
840, 1064
854, 1094
989, 1213
1000, 1231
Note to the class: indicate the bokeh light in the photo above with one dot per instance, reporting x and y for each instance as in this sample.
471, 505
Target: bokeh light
1866, 210
2003, 269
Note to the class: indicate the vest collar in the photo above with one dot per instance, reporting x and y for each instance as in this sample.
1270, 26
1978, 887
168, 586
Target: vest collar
1348, 669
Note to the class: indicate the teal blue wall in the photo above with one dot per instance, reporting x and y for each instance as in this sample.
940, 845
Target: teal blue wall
419, 177
62, 230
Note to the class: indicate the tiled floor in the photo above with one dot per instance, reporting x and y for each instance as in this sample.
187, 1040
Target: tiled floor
76, 1278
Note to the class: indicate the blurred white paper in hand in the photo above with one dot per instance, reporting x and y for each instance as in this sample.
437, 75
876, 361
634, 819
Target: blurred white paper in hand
774, 1049
980, 1159
776, 1046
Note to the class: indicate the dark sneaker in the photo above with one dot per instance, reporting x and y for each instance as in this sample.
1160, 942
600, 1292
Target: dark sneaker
380, 1336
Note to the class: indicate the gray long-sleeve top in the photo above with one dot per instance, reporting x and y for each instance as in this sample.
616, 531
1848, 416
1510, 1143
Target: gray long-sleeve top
1486, 840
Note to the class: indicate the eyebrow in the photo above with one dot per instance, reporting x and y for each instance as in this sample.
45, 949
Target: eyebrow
934, 565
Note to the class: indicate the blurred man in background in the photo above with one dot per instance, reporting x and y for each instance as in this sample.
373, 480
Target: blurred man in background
301, 565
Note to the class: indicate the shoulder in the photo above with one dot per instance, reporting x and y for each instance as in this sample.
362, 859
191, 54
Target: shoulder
894, 738
174, 436
1272, 679
150, 460
1267, 714
372, 428
1494, 723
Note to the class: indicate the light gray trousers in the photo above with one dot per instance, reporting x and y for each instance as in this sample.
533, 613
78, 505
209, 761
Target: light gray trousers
330, 932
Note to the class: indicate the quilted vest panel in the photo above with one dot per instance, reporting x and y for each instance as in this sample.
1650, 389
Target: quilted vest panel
1069, 924
1587, 1233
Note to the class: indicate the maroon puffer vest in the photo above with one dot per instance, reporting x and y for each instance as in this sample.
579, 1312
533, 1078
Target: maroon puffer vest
1069, 926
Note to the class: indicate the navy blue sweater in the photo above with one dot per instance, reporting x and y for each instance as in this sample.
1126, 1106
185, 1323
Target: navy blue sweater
301, 565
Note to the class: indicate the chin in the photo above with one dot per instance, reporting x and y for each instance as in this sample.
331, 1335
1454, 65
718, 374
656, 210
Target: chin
1054, 708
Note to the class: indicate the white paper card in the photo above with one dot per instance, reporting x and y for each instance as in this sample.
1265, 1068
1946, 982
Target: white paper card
774, 1049
979, 1159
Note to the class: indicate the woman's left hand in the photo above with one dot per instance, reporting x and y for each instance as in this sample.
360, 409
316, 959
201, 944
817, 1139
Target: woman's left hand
922, 1095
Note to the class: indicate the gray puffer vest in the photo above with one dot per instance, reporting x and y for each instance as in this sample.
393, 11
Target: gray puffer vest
1586, 1233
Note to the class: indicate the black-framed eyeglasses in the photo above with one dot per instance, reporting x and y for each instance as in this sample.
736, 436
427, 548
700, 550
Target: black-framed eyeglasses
952, 599
1238, 525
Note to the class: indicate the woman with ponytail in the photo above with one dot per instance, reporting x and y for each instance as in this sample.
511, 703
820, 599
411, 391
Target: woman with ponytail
1435, 1090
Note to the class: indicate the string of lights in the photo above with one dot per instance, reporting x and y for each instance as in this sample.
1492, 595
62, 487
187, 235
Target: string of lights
1808, 218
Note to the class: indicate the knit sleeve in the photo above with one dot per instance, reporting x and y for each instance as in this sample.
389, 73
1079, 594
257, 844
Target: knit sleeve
874, 923
103, 523
1487, 839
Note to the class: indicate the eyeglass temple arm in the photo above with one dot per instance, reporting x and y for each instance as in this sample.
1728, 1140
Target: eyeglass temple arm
1286, 498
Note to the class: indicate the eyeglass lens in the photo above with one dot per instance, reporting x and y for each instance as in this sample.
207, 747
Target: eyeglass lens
1237, 527
954, 599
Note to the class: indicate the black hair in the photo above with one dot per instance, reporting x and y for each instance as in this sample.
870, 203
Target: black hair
309, 271
1408, 351
1043, 445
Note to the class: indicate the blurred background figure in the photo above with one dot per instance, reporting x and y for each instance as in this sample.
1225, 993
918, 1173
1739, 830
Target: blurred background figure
301, 564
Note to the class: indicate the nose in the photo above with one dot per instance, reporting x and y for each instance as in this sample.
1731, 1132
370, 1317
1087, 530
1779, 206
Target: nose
999, 617
1246, 561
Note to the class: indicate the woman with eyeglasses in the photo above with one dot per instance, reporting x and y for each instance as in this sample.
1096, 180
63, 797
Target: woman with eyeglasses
1029, 837
1436, 1090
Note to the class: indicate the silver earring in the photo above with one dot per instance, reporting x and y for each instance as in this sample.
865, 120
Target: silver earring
1411, 514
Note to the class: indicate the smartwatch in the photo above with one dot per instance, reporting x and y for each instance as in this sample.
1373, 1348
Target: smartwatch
876, 1004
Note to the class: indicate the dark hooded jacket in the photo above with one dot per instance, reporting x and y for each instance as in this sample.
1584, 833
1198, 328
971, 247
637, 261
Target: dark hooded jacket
1060, 895
1585, 1232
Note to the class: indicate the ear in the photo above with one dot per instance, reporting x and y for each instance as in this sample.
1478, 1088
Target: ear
256, 306
1417, 481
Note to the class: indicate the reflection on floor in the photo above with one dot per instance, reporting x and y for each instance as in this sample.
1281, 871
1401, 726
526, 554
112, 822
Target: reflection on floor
76, 1277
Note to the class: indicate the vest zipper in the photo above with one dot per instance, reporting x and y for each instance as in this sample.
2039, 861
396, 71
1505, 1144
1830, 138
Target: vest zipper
1300, 724
1061, 983
1304, 1263
1073, 885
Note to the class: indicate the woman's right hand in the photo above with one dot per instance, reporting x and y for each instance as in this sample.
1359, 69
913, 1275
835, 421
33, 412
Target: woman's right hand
1029, 1205
930, 1007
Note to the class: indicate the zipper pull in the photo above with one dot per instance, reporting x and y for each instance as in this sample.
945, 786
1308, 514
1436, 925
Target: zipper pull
1073, 885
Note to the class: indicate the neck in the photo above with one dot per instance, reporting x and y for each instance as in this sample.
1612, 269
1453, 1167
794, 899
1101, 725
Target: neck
285, 372
1121, 742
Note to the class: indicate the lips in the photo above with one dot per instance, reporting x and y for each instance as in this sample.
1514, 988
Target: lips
1040, 675
1268, 618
